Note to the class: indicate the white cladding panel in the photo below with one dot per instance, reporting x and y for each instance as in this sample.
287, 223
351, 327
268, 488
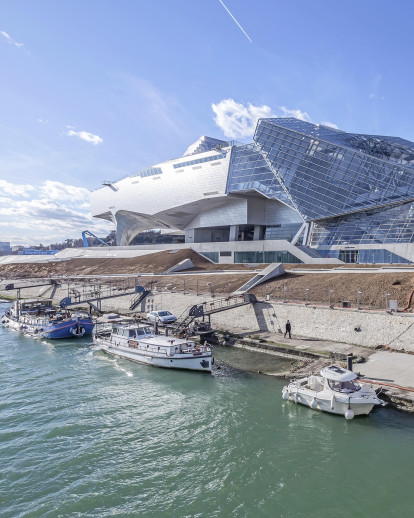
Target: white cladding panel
158, 193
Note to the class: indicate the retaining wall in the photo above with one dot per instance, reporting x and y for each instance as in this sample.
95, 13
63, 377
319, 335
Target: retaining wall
357, 327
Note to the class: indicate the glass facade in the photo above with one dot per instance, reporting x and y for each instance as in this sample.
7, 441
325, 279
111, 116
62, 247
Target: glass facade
200, 160
249, 171
356, 189
287, 232
265, 257
334, 176
388, 225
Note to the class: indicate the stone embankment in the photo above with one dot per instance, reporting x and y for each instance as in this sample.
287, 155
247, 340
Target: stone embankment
383, 341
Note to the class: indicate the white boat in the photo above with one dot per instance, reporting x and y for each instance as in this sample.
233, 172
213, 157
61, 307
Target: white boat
334, 391
139, 343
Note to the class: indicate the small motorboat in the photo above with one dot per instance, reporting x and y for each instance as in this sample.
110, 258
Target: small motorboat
335, 391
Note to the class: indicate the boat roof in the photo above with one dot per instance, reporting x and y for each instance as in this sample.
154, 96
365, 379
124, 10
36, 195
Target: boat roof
332, 372
34, 301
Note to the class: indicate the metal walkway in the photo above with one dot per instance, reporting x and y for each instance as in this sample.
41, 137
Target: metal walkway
206, 309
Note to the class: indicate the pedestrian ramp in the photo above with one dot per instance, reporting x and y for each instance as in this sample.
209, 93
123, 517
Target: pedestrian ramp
186, 264
270, 272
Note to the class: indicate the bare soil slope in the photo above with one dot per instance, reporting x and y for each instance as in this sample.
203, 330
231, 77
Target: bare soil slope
317, 288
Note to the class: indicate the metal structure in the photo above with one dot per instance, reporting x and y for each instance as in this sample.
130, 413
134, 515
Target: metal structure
85, 240
208, 308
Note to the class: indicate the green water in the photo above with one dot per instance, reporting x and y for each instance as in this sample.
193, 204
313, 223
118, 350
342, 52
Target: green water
85, 434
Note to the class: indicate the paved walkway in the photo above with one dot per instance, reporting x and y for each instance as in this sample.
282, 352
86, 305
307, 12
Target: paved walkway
385, 367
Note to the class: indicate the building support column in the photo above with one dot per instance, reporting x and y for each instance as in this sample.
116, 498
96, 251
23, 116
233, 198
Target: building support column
258, 233
234, 232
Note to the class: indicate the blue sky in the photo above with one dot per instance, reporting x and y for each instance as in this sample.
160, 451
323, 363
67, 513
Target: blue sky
96, 90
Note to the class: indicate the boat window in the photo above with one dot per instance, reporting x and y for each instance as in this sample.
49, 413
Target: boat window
131, 333
344, 386
140, 331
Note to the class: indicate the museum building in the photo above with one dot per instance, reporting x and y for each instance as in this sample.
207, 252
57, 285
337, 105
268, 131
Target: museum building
300, 192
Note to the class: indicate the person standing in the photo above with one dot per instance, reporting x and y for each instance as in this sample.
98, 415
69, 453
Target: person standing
288, 329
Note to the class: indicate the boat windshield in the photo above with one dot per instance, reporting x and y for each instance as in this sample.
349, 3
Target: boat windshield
344, 386
140, 331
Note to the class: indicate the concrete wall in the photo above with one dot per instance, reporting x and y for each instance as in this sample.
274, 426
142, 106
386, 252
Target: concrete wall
337, 325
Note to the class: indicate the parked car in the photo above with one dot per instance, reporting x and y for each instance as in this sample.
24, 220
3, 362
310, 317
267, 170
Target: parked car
163, 317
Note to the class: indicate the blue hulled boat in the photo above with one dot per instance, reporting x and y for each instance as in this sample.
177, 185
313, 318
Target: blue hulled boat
38, 317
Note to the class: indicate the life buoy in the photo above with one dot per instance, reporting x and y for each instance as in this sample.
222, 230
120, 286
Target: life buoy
78, 331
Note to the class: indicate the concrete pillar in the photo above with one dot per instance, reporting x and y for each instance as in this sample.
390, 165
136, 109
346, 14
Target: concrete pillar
257, 235
234, 232
189, 235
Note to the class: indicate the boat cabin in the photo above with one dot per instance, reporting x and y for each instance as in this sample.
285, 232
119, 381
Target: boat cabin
33, 306
132, 332
340, 380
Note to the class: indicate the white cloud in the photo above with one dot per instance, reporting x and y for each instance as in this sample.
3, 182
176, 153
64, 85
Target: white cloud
298, 114
57, 211
87, 137
10, 40
330, 125
237, 120
15, 189
63, 193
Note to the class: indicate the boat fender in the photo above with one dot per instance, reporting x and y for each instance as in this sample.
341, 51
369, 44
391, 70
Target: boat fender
313, 403
36, 331
212, 361
285, 394
332, 401
349, 414
296, 397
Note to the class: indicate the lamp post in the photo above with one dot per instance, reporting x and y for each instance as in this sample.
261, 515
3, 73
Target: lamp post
386, 300
306, 296
228, 289
267, 294
358, 294
197, 287
211, 288
330, 294
284, 293
184, 287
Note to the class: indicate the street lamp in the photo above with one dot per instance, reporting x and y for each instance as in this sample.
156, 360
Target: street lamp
184, 286
306, 296
228, 289
386, 299
211, 288
358, 294
284, 293
330, 293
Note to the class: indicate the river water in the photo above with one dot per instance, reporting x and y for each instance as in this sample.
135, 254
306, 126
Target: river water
85, 434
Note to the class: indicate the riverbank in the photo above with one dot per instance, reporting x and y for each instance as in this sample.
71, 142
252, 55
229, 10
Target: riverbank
386, 370
381, 341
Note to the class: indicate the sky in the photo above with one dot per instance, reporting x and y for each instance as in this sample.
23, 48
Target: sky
100, 89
